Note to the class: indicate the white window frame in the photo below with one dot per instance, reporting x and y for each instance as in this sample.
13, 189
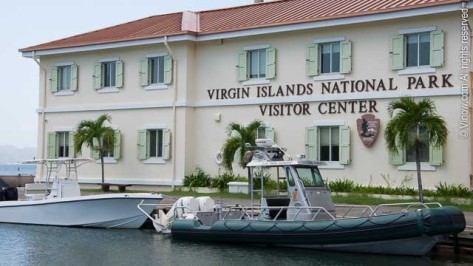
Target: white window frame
112, 89
155, 86
425, 69
258, 80
68, 92
332, 75
329, 123
58, 141
154, 160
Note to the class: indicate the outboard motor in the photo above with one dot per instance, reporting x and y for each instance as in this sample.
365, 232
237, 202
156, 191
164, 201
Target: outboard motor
10, 193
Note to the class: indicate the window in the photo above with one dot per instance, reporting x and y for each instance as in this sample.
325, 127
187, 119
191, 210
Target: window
424, 149
63, 78
415, 48
156, 70
112, 153
418, 49
328, 57
405, 157
108, 74
265, 132
328, 143
60, 145
257, 62
310, 177
154, 143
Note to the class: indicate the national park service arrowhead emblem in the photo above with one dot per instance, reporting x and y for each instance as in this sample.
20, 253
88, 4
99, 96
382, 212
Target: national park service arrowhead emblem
368, 128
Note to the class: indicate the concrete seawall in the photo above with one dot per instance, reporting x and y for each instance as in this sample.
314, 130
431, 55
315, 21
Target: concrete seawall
16, 180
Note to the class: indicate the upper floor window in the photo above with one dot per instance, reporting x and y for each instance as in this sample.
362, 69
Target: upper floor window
327, 57
330, 57
256, 63
60, 145
156, 70
417, 49
63, 78
108, 73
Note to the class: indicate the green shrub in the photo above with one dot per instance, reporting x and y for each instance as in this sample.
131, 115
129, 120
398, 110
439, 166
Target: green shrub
222, 180
198, 178
341, 185
444, 190
268, 183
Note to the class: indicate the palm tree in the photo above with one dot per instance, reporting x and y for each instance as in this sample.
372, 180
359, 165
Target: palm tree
239, 136
408, 117
95, 135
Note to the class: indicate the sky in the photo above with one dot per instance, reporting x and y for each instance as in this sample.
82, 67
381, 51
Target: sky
24, 23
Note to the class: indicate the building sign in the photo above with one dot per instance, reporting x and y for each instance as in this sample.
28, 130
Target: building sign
368, 128
294, 91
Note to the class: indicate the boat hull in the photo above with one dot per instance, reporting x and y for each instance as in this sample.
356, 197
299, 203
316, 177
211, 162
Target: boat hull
377, 234
100, 211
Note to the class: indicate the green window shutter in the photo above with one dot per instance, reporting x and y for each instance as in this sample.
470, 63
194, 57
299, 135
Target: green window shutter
142, 155
51, 146
270, 63
53, 79
97, 76
345, 57
397, 52
344, 142
242, 71
435, 155
311, 143
166, 144
119, 74
94, 152
74, 77
397, 158
71, 145
269, 133
437, 39
144, 76
117, 147
312, 60
167, 70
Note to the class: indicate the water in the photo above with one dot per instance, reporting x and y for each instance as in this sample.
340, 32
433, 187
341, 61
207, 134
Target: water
45, 245
17, 169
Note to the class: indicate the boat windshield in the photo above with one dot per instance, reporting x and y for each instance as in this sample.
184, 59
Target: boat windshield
310, 176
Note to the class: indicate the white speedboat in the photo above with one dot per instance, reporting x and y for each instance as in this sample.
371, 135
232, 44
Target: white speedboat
61, 204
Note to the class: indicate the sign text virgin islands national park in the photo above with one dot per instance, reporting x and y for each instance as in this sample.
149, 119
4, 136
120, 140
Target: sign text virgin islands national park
327, 88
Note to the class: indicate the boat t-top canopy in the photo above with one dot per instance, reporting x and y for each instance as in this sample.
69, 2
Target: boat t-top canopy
56, 165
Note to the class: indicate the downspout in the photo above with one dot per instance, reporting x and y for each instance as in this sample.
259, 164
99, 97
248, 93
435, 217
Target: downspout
42, 114
174, 115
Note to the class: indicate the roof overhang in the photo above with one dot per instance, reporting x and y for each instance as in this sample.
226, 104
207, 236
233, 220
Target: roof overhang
257, 31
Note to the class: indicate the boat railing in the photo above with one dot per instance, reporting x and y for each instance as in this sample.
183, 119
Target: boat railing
388, 208
348, 211
261, 213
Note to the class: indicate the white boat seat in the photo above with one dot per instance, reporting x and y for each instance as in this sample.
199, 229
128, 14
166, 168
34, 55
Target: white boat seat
34, 191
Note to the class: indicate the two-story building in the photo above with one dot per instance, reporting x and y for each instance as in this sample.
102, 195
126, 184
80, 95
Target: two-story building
319, 74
